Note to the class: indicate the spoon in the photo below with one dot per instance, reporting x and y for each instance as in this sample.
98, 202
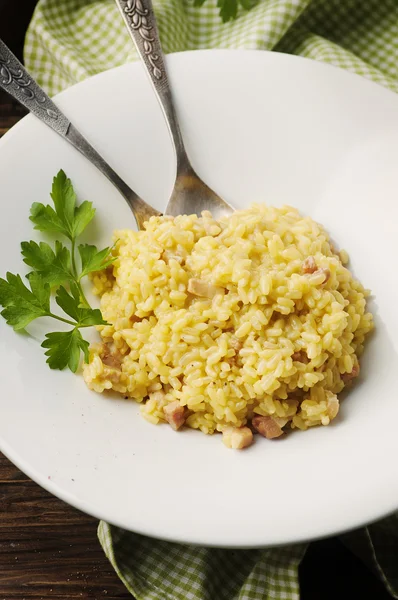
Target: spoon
15, 80
190, 194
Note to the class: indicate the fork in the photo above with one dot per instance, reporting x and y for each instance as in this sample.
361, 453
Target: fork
190, 193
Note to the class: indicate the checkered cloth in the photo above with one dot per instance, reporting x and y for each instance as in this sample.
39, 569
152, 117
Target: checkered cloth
69, 40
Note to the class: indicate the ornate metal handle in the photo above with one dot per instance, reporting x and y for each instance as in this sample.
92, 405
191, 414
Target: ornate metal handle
141, 24
15, 80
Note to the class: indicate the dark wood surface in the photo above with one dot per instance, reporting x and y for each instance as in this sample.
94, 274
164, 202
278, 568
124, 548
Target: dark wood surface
50, 551
15, 16
10, 113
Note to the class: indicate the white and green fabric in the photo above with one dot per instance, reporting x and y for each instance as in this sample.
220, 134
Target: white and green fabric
69, 40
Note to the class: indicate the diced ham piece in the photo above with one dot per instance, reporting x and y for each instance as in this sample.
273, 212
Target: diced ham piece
111, 361
267, 426
108, 358
237, 437
237, 346
347, 377
175, 414
199, 287
300, 356
309, 265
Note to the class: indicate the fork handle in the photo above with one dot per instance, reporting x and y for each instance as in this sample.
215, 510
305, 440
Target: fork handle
140, 20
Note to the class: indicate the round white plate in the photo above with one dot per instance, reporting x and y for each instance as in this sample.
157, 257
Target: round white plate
259, 127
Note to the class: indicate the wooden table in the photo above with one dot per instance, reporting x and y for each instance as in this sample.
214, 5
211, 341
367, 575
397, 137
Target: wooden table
50, 551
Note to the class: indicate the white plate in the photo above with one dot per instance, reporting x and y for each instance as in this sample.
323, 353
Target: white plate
259, 127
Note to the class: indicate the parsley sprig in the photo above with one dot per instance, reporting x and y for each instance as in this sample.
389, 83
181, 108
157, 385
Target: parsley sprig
56, 269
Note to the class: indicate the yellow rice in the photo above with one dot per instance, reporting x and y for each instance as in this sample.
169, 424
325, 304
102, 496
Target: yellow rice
274, 340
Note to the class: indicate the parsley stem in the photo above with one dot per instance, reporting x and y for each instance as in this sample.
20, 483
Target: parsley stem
77, 278
50, 314
82, 295
68, 322
73, 257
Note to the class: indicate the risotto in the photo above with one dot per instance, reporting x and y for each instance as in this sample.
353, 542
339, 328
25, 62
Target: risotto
249, 324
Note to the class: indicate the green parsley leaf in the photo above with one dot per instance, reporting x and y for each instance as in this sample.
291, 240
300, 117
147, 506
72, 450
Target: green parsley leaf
54, 267
63, 349
75, 219
70, 304
41, 290
84, 214
92, 260
46, 219
21, 305
64, 198
67, 218
75, 291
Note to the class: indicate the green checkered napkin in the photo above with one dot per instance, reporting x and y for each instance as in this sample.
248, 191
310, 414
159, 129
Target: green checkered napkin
69, 40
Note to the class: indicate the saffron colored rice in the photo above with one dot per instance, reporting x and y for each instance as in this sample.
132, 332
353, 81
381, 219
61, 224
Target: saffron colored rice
276, 330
